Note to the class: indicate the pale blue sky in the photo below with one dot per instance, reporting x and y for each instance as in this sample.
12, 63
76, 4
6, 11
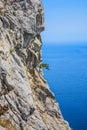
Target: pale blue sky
65, 21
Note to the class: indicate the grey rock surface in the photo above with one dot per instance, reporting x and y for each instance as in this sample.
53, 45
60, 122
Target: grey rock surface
26, 102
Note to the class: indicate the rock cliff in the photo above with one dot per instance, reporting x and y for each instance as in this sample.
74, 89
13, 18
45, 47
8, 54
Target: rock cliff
26, 102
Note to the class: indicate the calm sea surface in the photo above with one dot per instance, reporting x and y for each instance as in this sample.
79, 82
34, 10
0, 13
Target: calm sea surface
67, 78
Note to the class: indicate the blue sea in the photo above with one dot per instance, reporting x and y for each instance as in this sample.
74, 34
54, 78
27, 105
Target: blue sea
67, 78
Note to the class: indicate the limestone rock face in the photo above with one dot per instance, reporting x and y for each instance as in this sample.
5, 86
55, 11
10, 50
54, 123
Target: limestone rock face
26, 102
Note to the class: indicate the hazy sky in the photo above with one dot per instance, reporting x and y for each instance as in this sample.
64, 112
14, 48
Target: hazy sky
65, 21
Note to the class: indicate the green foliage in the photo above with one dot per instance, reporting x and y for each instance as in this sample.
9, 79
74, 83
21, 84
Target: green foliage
44, 65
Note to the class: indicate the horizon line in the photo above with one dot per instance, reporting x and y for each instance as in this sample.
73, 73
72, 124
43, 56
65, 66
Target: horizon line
66, 42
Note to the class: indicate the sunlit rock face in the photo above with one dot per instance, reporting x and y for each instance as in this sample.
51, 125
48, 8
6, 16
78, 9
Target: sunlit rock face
26, 102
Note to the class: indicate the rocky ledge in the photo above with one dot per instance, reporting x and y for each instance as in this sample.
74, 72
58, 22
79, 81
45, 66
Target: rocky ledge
26, 102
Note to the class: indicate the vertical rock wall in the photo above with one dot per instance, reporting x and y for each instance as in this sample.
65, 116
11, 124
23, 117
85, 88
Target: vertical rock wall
26, 102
